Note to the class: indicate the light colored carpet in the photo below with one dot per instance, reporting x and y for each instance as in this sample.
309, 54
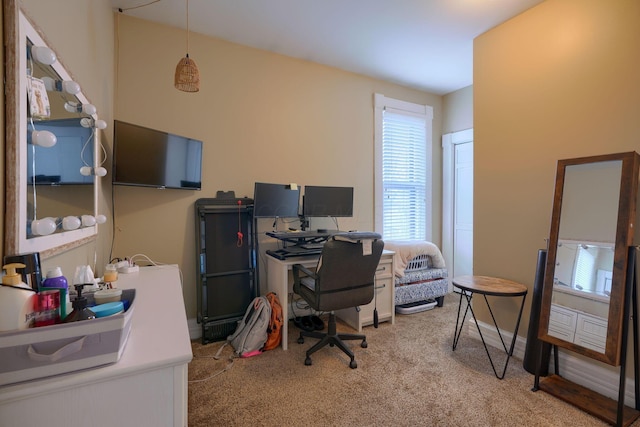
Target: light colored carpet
408, 376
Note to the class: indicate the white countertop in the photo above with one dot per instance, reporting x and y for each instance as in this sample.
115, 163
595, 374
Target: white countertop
159, 335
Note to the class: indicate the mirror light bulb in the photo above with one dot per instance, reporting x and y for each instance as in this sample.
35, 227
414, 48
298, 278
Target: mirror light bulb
74, 107
49, 83
70, 223
101, 124
43, 138
43, 55
70, 87
34, 227
45, 226
86, 122
85, 170
101, 219
88, 221
89, 109
71, 106
100, 171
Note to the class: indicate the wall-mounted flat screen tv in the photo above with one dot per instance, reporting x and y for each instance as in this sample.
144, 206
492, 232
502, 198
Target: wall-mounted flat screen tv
60, 164
152, 158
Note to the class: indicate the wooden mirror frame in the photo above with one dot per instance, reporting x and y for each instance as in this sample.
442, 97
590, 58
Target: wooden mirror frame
16, 241
624, 239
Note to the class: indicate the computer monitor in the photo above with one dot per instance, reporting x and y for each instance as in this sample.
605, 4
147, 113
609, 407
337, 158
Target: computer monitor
275, 200
327, 201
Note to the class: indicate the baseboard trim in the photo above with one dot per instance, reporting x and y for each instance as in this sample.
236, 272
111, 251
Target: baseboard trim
602, 378
195, 329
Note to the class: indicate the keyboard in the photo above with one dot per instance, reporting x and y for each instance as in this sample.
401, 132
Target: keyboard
312, 246
293, 251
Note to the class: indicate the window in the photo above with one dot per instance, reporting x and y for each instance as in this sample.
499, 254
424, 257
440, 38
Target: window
402, 169
585, 269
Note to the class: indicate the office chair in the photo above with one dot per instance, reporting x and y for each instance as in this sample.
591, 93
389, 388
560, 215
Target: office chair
344, 278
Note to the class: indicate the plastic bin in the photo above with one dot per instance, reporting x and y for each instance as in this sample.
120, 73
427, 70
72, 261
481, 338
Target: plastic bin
57, 349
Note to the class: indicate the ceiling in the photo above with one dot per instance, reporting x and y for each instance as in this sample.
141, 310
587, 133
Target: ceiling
423, 44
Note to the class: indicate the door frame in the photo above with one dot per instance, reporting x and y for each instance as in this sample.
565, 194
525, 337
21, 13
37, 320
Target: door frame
449, 141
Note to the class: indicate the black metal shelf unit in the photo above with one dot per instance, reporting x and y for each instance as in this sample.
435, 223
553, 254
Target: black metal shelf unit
226, 264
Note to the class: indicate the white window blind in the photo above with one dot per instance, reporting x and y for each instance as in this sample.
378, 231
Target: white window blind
404, 172
584, 270
403, 168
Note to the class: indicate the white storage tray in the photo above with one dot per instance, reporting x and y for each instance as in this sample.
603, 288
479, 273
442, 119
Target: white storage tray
52, 350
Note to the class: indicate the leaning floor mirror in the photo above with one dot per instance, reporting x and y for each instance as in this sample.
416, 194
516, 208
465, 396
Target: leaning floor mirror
586, 297
52, 142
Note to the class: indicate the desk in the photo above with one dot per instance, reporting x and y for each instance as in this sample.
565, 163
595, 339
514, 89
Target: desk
280, 281
484, 286
146, 387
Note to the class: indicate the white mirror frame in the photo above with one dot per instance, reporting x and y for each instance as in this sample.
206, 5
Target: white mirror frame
16, 241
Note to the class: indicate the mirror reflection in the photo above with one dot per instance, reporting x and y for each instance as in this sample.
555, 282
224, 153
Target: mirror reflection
583, 270
56, 186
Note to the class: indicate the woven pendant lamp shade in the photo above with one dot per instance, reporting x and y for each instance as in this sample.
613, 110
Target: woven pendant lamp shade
187, 78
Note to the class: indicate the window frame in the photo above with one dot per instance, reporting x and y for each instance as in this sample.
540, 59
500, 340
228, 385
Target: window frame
382, 103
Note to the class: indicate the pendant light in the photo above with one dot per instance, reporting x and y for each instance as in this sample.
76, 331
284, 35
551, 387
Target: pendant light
187, 78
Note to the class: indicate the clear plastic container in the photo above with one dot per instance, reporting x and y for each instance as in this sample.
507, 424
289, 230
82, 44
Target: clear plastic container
110, 273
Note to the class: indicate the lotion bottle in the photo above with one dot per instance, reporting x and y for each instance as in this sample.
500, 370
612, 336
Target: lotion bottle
17, 300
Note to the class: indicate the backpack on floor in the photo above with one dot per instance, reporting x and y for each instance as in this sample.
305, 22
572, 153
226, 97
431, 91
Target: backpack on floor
251, 333
274, 330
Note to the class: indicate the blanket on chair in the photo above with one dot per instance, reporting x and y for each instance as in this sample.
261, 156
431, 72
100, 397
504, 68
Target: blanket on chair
407, 249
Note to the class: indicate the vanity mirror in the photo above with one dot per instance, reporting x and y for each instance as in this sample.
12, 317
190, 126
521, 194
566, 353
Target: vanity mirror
51, 147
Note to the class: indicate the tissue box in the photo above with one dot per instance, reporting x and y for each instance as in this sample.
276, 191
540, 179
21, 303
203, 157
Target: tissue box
52, 350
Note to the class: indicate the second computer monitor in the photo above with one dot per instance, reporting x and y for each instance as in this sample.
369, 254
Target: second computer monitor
327, 201
275, 200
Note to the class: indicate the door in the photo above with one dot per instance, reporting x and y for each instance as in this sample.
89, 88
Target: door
457, 235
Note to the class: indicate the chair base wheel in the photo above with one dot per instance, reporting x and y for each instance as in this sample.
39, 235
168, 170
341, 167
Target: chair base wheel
332, 339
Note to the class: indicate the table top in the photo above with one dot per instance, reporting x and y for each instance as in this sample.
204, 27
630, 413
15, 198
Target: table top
490, 285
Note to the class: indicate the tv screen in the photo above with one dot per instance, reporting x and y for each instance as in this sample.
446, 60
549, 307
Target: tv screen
152, 158
327, 201
275, 200
60, 164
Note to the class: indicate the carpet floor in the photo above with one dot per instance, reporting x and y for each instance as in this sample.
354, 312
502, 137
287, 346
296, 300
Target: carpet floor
408, 376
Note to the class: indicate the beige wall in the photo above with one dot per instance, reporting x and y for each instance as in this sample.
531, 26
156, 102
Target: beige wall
262, 117
256, 111
558, 81
2, 142
458, 110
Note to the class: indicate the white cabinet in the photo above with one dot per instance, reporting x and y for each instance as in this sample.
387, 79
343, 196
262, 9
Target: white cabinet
578, 327
146, 387
384, 298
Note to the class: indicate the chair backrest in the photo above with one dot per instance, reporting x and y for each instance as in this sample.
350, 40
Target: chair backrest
346, 270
